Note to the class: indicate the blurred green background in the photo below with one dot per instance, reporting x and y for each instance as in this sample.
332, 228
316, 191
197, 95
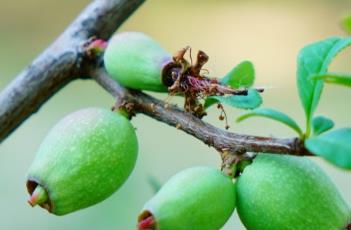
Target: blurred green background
270, 33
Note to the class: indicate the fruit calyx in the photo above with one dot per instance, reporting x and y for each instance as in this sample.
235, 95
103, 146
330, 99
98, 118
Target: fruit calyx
187, 78
146, 221
38, 195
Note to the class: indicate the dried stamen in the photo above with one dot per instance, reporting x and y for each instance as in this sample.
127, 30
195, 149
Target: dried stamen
38, 197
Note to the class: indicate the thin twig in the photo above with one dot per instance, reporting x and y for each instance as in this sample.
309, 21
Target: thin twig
207, 133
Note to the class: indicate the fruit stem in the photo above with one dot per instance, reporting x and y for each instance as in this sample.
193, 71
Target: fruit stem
39, 196
123, 112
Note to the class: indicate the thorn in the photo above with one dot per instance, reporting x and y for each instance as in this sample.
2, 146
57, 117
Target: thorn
39, 196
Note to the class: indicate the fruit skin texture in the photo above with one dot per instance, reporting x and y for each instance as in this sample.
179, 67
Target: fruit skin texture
279, 192
196, 198
86, 157
136, 61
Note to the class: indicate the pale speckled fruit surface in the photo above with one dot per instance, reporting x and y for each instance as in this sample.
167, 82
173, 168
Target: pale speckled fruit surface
198, 198
86, 157
279, 192
136, 61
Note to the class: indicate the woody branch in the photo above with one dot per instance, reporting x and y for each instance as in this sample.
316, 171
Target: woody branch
215, 137
65, 60
61, 63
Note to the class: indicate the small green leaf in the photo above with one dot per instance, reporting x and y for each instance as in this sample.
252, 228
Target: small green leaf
334, 146
241, 76
334, 78
250, 101
346, 24
275, 115
315, 59
321, 124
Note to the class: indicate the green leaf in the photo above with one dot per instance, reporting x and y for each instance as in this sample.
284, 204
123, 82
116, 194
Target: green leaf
275, 115
334, 78
346, 24
241, 76
315, 59
250, 101
334, 146
321, 124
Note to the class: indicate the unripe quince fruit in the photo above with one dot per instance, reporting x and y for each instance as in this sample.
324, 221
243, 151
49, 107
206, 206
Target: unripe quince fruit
86, 157
136, 61
279, 192
196, 198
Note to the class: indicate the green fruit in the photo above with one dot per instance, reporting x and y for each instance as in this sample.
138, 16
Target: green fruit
196, 198
136, 61
279, 192
86, 157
